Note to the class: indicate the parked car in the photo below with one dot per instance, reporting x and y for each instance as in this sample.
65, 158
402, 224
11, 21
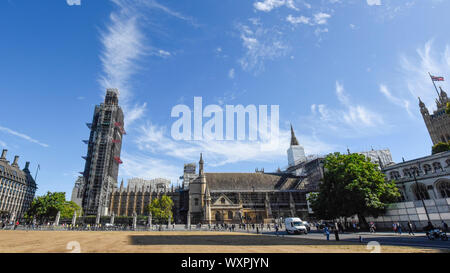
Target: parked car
324, 224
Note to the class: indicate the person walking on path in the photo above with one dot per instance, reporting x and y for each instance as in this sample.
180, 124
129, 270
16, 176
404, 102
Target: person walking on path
410, 228
372, 227
336, 231
444, 226
399, 228
327, 233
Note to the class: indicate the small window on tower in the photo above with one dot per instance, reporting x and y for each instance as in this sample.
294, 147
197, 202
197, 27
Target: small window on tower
196, 201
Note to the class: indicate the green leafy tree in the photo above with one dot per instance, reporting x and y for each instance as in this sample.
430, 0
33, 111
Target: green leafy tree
161, 208
352, 184
69, 208
440, 147
46, 207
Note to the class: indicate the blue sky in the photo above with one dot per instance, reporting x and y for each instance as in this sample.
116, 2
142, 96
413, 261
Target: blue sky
345, 73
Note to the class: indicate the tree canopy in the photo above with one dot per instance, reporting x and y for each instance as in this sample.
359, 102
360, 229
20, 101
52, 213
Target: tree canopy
352, 184
46, 207
440, 147
161, 208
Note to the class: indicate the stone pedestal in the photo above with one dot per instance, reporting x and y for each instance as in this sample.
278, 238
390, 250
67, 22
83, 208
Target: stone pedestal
74, 218
58, 215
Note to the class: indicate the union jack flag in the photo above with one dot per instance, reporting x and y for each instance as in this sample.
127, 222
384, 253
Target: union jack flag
437, 79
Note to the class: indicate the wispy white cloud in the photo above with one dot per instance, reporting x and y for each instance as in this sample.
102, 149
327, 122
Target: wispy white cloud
73, 2
319, 18
146, 166
260, 44
3, 144
124, 48
374, 2
350, 120
231, 73
155, 139
415, 70
23, 136
269, 5
395, 100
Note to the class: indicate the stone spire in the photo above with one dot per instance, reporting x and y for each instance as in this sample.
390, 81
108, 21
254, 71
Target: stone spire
200, 165
443, 96
294, 140
423, 108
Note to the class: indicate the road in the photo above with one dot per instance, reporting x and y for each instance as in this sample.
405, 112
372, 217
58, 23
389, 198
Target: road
383, 238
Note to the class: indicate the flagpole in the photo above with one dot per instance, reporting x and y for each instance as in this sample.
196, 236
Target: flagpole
35, 176
434, 84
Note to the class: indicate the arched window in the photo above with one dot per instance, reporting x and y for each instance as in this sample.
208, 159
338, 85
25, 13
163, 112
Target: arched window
394, 175
427, 168
407, 172
437, 166
230, 215
402, 196
222, 200
443, 188
420, 192
218, 218
415, 170
448, 162
196, 201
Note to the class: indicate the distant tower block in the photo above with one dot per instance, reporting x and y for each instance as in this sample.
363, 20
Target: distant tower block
296, 153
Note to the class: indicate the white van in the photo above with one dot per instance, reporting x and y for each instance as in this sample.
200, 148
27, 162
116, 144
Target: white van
295, 225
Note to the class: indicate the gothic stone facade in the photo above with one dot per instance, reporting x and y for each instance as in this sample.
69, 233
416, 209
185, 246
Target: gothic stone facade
126, 201
253, 197
433, 186
438, 123
17, 187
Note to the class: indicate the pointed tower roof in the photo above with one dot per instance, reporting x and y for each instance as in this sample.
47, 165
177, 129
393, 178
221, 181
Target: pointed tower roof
200, 163
294, 140
421, 104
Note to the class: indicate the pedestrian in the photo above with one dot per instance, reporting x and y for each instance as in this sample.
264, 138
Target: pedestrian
444, 226
410, 228
276, 229
372, 227
394, 227
336, 231
17, 224
327, 233
399, 228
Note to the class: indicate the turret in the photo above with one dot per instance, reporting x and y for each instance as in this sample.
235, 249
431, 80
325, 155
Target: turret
423, 108
443, 96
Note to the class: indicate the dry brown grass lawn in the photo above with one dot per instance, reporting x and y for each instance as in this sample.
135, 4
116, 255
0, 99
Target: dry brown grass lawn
176, 242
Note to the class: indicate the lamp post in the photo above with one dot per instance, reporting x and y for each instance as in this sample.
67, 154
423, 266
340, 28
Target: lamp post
417, 188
